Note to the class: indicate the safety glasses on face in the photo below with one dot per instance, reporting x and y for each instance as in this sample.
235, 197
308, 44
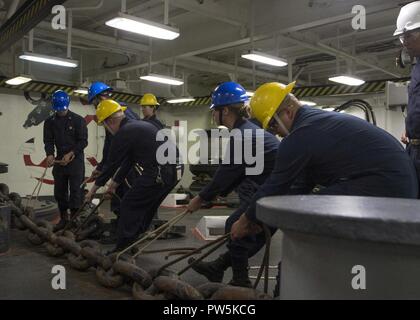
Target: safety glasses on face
275, 119
410, 36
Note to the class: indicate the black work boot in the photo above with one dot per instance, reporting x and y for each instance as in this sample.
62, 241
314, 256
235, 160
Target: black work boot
72, 214
109, 236
122, 244
63, 221
240, 277
213, 270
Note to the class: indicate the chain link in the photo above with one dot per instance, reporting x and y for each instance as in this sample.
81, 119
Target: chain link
113, 271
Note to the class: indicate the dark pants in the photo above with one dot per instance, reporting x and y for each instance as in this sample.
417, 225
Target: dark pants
122, 189
67, 191
414, 153
242, 249
140, 204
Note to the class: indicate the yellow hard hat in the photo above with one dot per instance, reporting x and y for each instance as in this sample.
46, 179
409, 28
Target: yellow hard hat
267, 99
149, 100
107, 108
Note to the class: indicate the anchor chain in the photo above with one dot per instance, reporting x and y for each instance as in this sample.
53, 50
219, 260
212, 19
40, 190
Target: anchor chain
118, 269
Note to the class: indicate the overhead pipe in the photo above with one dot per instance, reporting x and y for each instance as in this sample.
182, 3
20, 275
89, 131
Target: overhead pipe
97, 7
166, 12
69, 32
99, 37
12, 8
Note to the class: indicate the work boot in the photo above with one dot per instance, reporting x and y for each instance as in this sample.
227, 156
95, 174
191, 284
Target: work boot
213, 270
240, 277
72, 214
63, 221
109, 236
122, 244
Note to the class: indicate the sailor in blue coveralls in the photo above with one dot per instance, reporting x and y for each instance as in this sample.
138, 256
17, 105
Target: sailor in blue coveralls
149, 106
344, 154
229, 109
134, 144
98, 92
408, 30
65, 133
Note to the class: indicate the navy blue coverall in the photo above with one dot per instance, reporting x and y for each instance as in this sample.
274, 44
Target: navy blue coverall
65, 134
344, 154
135, 144
123, 188
155, 121
412, 121
231, 176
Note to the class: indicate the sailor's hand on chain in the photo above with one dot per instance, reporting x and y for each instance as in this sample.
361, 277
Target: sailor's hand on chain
195, 204
89, 196
96, 173
68, 157
110, 192
50, 160
91, 193
244, 227
404, 138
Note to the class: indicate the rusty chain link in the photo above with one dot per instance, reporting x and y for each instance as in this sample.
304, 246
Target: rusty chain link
120, 268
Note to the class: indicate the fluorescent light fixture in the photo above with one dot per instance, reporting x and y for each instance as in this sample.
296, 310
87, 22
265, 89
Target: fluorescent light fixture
328, 109
250, 93
265, 58
141, 26
347, 80
163, 79
81, 91
308, 103
17, 81
180, 100
49, 60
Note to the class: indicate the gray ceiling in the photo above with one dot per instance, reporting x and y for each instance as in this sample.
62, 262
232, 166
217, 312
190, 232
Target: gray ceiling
314, 35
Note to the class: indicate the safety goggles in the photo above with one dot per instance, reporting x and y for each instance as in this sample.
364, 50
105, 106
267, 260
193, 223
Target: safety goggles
410, 36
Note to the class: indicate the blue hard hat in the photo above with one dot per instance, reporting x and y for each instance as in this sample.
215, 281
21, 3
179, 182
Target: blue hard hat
60, 100
97, 88
228, 93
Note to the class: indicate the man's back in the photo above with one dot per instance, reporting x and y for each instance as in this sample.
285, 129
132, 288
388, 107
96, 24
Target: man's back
333, 147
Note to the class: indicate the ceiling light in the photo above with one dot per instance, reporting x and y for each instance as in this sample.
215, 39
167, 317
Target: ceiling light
347, 80
17, 81
180, 100
265, 58
141, 26
250, 93
49, 60
81, 91
163, 79
308, 103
